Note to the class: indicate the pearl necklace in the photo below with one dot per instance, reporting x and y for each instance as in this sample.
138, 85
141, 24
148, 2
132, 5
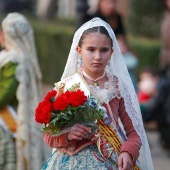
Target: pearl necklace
95, 80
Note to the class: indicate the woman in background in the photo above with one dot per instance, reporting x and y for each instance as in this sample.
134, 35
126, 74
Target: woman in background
20, 81
164, 83
106, 10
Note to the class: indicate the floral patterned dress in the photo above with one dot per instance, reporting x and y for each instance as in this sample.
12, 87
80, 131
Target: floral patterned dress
86, 159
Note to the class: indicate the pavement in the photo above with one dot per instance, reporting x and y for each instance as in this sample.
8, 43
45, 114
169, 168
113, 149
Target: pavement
160, 156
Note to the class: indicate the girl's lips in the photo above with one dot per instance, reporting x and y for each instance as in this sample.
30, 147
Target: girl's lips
96, 64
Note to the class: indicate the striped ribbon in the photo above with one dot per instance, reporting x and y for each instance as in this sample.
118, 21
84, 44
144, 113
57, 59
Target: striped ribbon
8, 119
112, 137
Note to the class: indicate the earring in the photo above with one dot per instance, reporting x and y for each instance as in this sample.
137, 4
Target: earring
79, 61
108, 63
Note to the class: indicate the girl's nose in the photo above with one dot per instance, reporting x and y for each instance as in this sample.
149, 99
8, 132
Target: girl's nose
97, 56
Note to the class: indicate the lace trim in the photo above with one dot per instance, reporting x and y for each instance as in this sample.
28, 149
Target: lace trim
110, 90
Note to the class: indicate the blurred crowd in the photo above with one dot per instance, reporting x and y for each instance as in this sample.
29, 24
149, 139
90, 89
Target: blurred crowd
154, 86
17, 42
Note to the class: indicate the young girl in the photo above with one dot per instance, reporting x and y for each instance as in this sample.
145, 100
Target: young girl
96, 55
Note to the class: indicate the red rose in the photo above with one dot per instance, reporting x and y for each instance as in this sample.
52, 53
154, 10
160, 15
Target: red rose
50, 95
43, 112
77, 98
40, 106
62, 101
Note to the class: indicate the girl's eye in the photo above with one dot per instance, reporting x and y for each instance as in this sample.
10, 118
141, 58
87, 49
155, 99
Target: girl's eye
90, 49
104, 49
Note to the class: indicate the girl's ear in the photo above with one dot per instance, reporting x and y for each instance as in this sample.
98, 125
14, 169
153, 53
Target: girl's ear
78, 49
112, 51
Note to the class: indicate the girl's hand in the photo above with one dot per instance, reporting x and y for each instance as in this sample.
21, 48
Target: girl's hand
125, 161
79, 133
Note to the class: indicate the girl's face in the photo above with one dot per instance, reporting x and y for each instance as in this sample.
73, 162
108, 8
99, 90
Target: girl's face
95, 51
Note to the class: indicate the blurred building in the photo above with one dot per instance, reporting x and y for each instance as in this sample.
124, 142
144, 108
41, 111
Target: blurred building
122, 6
70, 8
15, 5
46, 9
67, 8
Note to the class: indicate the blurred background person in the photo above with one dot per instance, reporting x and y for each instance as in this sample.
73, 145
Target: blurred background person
165, 37
154, 99
164, 121
130, 59
8, 84
147, 90
106, 10
20, 83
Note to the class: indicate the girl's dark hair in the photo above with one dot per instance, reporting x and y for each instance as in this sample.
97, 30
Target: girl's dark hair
99, 29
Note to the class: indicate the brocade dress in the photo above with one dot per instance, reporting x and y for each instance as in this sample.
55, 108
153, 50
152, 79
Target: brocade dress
83, 154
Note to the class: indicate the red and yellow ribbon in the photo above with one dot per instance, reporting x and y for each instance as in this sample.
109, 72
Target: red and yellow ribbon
108, 134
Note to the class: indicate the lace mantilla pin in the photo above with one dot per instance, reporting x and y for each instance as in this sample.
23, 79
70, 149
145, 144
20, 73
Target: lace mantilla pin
94, 19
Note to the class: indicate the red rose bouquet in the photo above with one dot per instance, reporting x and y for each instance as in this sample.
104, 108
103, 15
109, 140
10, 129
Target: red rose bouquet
60, 113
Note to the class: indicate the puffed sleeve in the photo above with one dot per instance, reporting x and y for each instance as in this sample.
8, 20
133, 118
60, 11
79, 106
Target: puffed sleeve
133, 143
58, 141
8, 84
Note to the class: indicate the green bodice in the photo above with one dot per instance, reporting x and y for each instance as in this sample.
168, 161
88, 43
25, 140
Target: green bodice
8, 85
